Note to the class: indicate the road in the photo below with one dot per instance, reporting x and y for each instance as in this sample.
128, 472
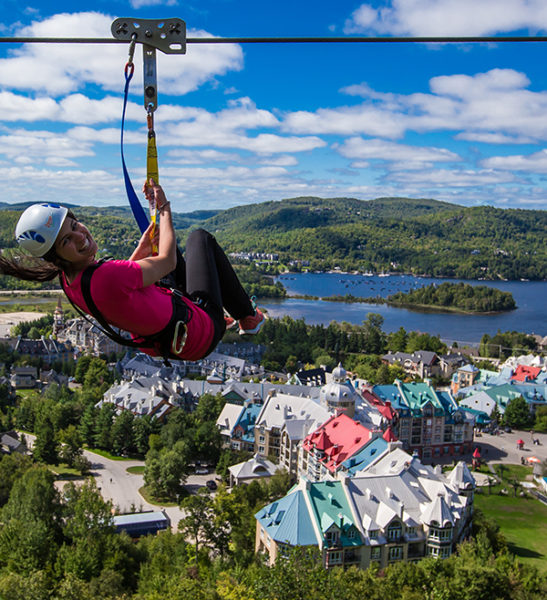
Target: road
122, 488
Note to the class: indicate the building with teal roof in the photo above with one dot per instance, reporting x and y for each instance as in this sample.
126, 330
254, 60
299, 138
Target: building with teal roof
429, 422
398, 510
243, 433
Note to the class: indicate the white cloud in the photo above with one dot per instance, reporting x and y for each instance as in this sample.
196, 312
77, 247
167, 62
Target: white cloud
455, 178
280, 161
534, 163
449, 17
347, 121
42, 145
492, 138
78, 186
194, 157
358, 148
493, 102
53, 69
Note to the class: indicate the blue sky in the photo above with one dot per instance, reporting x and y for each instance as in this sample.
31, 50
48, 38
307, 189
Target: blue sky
239, 124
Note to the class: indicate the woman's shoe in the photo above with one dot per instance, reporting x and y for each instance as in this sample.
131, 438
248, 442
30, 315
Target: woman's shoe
251, 324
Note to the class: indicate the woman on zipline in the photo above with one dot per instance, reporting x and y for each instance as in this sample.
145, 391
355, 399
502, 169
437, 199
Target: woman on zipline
183, 323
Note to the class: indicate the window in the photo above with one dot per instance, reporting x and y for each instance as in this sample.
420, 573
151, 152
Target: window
375, 553
334, 558
331, 537
443, 535
351, 534
261, 439
394, 531
396, 553
373, 534
411, 530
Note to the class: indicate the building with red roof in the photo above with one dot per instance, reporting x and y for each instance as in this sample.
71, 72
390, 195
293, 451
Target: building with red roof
325, 449
524, 373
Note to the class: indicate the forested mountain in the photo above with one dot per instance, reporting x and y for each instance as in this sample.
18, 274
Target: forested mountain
420, 236
389, 234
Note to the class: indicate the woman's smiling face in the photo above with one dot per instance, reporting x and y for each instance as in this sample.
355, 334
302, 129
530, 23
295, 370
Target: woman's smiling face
74, 244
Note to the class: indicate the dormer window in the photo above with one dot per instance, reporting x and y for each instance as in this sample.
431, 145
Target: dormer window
373, 534
332, 537
394, 530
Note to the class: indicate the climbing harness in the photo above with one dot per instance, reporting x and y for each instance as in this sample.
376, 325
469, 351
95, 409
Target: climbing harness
169, 342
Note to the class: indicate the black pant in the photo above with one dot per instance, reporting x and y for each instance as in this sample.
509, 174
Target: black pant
208, 278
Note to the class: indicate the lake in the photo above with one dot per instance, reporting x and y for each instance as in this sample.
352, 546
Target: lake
529, 317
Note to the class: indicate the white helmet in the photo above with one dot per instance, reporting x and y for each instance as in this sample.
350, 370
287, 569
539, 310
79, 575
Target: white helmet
39, 226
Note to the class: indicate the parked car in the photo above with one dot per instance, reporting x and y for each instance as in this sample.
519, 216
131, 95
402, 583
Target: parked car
211, 484
202, 471
508, 430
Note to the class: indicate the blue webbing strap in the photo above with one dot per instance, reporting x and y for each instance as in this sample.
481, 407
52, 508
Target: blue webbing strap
138, 210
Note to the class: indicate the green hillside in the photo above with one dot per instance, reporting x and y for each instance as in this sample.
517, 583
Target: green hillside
420, 236
392, 234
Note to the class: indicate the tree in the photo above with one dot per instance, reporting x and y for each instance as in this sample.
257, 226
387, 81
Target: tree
12, 467
165, 471
87, 425
397, 341
123, 433
71, 445
98, 375
541, 419
81, 367
103, 426
45, 445
87, 527
31, 520
517, 413
196, 525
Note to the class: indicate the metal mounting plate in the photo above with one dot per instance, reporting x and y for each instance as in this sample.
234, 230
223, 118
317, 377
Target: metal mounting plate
167, 35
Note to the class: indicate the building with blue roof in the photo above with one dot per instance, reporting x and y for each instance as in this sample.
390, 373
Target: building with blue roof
366, 456
284, 523
137, 525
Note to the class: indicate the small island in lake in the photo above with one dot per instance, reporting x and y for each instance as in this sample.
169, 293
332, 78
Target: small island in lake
455, 297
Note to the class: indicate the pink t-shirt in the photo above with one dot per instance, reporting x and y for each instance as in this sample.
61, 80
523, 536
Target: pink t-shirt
117, 290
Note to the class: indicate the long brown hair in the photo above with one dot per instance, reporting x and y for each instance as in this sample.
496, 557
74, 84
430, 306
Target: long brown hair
30, 268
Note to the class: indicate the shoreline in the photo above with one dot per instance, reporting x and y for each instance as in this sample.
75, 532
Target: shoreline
420, 308
406, 274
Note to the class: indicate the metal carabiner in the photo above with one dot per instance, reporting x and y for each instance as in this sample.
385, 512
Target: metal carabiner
178, 349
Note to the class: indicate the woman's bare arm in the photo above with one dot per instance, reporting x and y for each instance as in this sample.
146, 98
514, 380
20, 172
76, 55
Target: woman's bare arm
156, 267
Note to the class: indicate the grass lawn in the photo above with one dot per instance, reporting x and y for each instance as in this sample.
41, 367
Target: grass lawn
143, 491
508, 472
106, 454
522, 520
138, 470
63, 471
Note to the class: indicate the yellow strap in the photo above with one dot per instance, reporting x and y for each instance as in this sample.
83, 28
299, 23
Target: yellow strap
152, 172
